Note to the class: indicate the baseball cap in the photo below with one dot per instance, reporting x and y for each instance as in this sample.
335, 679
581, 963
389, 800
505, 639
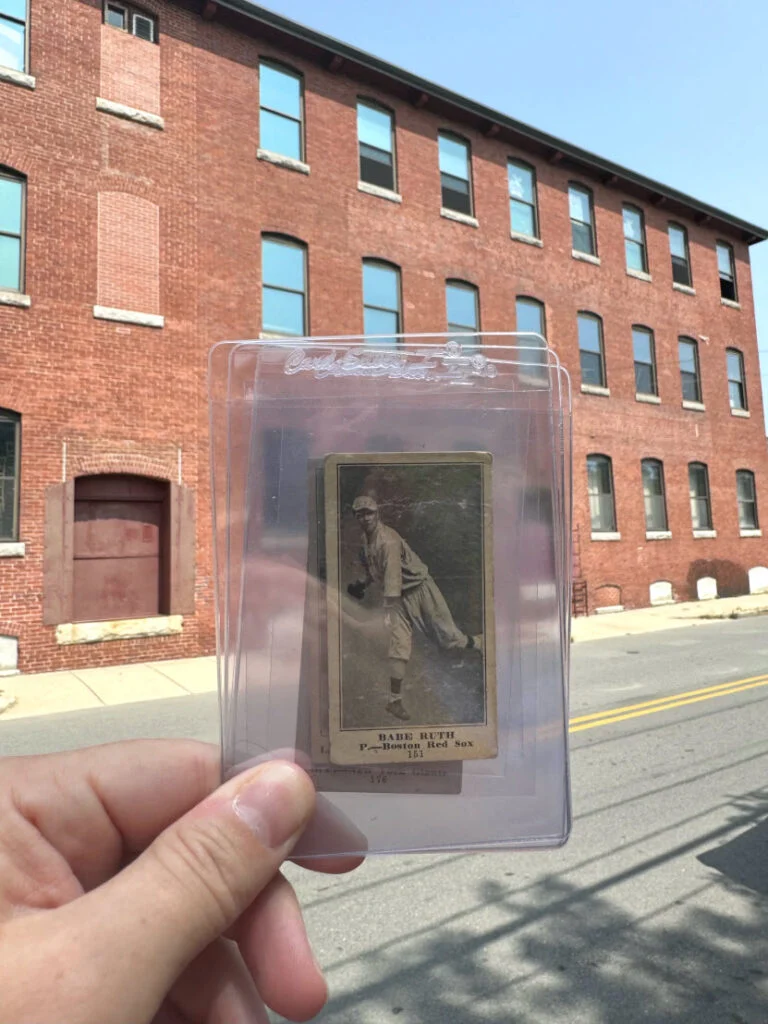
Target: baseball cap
364, 502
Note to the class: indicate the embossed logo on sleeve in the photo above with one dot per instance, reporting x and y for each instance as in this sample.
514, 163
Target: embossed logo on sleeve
448, 363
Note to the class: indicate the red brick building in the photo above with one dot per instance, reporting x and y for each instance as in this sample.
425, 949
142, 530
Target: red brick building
155, 157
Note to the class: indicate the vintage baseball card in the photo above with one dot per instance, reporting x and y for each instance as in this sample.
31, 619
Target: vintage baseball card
410, 617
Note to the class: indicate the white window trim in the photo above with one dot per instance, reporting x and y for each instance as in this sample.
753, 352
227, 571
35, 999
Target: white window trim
12, 549
377, 190
743, 414
14, 77
128, 316
279, 160
526, 239
130, 113
704, 534
650, 399
750, 533
694, 406
641, 275
730, 303
606, 536
658, 535
596, 389
684, 288
585, 257
460, 218
15, 299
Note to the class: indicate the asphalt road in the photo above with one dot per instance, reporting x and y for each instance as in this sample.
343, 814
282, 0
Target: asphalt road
657, 909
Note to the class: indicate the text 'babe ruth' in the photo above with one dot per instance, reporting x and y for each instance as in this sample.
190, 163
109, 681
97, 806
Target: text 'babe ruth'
411, 597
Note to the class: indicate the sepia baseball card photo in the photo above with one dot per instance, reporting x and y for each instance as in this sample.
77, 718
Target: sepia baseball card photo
409, 562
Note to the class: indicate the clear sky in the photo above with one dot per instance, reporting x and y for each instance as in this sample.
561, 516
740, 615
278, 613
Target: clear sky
674, 89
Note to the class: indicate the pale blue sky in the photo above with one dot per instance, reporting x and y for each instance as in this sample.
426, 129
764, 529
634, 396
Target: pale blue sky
674, 89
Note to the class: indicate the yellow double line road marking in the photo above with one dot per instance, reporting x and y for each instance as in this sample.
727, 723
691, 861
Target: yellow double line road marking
675, 700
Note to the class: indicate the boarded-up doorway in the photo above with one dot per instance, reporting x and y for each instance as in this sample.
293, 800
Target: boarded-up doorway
119, 548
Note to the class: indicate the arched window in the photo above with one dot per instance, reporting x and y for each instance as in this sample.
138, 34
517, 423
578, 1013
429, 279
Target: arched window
582, 211
283, 286
281, 110
12, 216
737, 387
681, 262
698, 484
462, 305
644, 352
746, 496
591, 354
654, 497
602, 506
690, 378
634, 239
376, 140
726, 270
382, 302
530, 315
10, 471
523, 204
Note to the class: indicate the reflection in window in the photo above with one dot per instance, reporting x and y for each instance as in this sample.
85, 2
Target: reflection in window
653, 495
13, 34
283, 273
634, 239
737, 391
678, 248
461, 303
645, 361
280, 113
582, 220
381, 301
600, 487
727, 272
689, 369
455, 176
747, 499
10, 437
11, 233
591, 349
523, 212
698, 482
375, 134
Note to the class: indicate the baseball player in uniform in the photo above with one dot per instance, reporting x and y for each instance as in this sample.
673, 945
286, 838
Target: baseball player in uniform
411, 597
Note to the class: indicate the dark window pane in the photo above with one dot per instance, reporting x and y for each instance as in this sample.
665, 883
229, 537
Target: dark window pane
581, 238
286, 453
522, 218
283, 312
591, 369
10, 263
376, 167
144, 27
461, 306
8, 478
280, 135
454, 158
690, 385
644, 382
745, 485
280, 91
455, 194
381, 286
600, 489
374, 128
736, 395
727, 289
681, 273
282, 264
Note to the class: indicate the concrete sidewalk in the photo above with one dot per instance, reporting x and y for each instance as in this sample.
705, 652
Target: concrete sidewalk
47, 693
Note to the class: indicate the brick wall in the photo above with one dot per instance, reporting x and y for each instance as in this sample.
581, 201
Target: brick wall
136, 393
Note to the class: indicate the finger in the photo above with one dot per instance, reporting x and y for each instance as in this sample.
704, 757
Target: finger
274, 945
217, 988
193, 882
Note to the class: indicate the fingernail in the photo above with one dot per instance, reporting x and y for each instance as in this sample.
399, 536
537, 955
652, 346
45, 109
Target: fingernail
275, 802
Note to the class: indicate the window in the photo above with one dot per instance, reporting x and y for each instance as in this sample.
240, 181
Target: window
653, 495
689, 369
634, 239
376, 137
530, 316
10, 441
455, 177
600, 487
727, 272
132, 20
591, 349
678, 248
645, 361
462, 306
582, 220
13, 34
737, 390
11, 233
381, 301
698, 483
284, 286
747, 499
280, 111
523, 209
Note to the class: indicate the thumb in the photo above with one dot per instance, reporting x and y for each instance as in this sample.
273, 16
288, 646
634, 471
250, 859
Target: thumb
196, 879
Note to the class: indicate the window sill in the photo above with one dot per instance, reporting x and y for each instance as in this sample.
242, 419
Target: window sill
649, 399
641, 275
606, 536
595, 389
694, 406
130, 113
658, 535
684, 288
585, 257
377, 190
460, 218
526, 239
118, 629
704, 534
282, 161
609, 609
750, 533
14, 77
730, 303
15, 299
128, 316
12, 549
743, 414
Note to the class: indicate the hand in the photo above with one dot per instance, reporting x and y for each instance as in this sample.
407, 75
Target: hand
356, 590
124, 868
